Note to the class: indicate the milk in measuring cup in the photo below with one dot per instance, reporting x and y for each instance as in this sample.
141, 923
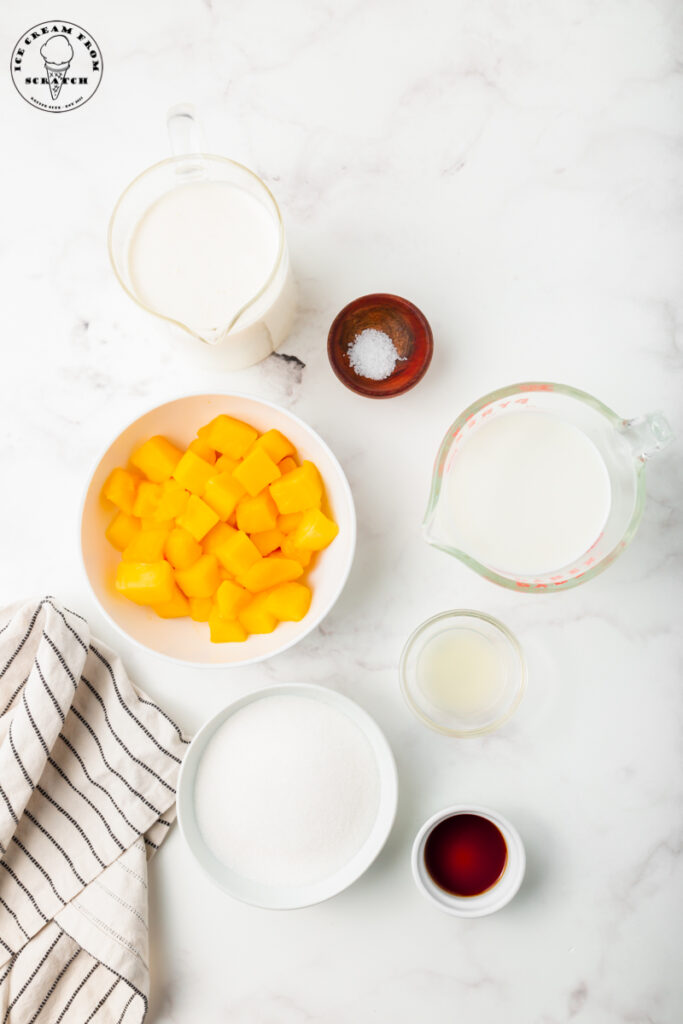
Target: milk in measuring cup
201, 252
527, 493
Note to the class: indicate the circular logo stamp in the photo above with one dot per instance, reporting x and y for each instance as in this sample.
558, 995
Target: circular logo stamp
56, 66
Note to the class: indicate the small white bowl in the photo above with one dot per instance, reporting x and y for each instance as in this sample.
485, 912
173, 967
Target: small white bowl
292, 897
487, 902
183, 640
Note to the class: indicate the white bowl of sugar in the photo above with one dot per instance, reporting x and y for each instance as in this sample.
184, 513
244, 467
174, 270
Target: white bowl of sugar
287, 796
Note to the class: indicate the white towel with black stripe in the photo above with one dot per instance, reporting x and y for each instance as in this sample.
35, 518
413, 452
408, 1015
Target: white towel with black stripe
88, 772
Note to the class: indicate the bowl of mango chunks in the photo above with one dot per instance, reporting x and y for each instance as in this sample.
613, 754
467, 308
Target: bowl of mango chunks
217, 530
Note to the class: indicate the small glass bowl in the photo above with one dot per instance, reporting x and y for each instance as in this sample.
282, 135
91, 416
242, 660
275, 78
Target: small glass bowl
407, 327
512, 659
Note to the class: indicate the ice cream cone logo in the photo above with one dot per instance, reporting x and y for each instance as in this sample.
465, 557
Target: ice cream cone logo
57, 54
56, 66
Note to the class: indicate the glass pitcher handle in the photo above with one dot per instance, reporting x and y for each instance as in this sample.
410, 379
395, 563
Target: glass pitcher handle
648, 434
184, 131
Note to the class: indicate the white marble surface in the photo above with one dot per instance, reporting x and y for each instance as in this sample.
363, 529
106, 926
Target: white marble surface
515, 169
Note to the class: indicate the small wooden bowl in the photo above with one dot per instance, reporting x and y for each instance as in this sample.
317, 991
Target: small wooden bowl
407, 327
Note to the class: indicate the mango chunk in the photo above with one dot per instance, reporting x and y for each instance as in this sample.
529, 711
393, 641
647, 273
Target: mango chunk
222, 492
203, 450
193, 473
256, 618
121, 530
289, 522
201, 579
229, 436
231, 598
177, 608
289, 602
256, 471
147, 545
146, 583
172, 501
298, 490
268, 572
197, 518
275, 444
181, 549
147, 500
156, 458
224, 631
287, 464
120, 488
216, 537
315, 531
238, 553
268, 541
256, 514
200, 608
290, 550
224, 464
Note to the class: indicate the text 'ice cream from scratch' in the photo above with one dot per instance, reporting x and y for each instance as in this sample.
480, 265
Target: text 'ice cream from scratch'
57, 54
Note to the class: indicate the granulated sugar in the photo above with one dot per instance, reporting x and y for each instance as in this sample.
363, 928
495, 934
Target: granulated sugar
287, 791
373, 355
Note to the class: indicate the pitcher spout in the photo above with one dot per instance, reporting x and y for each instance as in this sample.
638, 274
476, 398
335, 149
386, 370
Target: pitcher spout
648, 435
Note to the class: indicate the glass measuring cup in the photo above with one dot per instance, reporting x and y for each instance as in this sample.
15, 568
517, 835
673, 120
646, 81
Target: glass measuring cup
259, 322
625, 446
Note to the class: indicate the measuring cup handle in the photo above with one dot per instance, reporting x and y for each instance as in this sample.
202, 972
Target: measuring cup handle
185, 134
648, 434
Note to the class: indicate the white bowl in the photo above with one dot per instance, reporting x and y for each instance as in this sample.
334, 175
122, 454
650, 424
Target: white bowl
183, 640
289, 897
487, 902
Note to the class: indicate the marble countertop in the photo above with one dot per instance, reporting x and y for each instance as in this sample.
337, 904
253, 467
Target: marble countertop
514, 167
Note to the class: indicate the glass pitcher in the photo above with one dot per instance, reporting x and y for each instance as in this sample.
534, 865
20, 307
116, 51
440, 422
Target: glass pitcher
258, 324
625, 446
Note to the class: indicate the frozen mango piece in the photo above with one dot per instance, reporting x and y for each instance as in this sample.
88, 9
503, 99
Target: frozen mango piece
216, 537
268, 572
201, 579
200, 608
256, 618
156, 458
229, 436
287, 464
256, 471
222, 492
172, 501
197, 518
315, 531
224, 631
231, 598
268, 541
203, 450
298, 490
224, 464
192, 472
238, 553
290, 550
120, 488
147, 583
289, 522
289, 602
121, 530
147, 500
176, 608
181, 549
275, 444
147, 545
256, 514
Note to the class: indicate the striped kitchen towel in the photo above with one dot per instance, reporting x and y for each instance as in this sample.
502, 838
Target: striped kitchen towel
88, 772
